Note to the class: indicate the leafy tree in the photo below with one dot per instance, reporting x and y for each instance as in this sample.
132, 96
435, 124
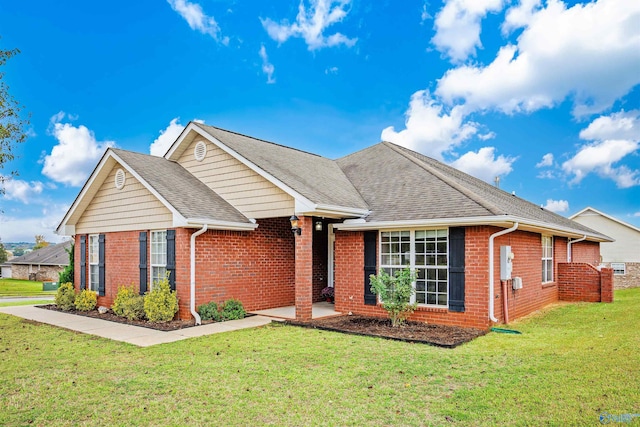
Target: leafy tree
40, 242
3, 254
66, 275
12, 126
395, 294
18, 252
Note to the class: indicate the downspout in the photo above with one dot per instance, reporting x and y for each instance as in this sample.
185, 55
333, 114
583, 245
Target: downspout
571, 242
491, 238
192, 301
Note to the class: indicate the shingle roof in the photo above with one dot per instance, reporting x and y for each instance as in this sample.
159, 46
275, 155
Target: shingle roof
444, 191
49, 255
187, 194
317, 178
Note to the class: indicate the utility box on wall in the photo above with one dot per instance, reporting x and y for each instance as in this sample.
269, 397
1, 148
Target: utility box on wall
506, 262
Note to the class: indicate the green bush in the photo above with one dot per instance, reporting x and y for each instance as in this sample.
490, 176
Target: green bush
209, 311
65, 297
232, 309
66, 275
86, 300
128, 303
161, 304
395, 294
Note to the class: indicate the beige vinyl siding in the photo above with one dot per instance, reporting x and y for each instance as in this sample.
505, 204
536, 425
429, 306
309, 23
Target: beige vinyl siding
626, 247
131, 208
243, 188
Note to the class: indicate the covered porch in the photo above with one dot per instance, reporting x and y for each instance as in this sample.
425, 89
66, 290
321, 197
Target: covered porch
318, 311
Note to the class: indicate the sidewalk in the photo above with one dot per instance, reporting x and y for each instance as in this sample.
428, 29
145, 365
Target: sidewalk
136, 335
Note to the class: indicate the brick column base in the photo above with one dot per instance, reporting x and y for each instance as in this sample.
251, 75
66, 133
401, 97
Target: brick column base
304, 270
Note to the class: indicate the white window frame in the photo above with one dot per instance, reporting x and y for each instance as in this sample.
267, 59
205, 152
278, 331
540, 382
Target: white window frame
158, 258
411, 256
547, 258
94, 260
619, 268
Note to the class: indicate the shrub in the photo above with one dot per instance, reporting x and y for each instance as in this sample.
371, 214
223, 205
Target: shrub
65, 297
232, 309
66, 275
328, 292
128, 303
86, 300
395, 293
161, 304
209, 311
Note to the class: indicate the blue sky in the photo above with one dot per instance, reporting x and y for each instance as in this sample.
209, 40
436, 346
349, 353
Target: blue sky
544, 94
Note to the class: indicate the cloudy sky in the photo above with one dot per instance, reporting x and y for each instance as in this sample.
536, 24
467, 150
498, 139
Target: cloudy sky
543, 94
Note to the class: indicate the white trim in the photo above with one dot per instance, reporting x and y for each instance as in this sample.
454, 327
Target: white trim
588, 208
624, 268
497, 220
218, 225
543, 258
151, 264
331, 237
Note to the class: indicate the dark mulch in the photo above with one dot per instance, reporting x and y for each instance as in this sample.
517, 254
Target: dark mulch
110, 316
437, 335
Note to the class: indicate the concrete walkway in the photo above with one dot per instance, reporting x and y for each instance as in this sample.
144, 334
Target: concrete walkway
318, 311
21, 299
136, 335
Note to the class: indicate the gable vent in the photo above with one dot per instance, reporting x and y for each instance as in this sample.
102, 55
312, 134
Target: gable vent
200, 151
120, 178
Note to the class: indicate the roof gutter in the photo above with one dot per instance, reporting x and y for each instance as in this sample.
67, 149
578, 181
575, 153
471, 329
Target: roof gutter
219, 225
491, 297
571, 242
192, 300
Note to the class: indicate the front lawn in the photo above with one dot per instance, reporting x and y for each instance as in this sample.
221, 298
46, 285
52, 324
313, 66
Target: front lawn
571, 364
22, 288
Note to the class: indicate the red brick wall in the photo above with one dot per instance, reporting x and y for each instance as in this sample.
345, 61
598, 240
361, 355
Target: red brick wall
526, 246
583, 282
588, 252
256, 267
304, 269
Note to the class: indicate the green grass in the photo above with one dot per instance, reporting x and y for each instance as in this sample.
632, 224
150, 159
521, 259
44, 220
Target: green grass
23, 288
570, 364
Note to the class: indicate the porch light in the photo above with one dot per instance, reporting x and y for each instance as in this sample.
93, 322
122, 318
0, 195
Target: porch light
318, 226
294, 225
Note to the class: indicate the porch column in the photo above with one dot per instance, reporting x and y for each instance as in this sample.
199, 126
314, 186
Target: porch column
304, 269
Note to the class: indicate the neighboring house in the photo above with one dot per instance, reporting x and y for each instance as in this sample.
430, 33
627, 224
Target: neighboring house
622, 255
214, 213
42, 265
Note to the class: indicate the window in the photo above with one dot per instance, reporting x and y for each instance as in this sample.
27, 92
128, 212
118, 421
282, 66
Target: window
547, 259
158, 256
425, 252
93, 262
619, 268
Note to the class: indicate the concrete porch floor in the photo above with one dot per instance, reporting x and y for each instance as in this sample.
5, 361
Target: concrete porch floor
318, 310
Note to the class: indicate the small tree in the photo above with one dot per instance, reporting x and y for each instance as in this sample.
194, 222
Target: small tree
40, 242
395, 294
66, 275
3, 254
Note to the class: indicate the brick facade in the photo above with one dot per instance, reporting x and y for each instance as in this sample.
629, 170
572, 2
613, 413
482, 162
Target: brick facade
584, 282
526, 246
631, 278
587, 252
39, 273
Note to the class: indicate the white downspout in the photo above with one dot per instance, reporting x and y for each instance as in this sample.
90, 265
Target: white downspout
571, 242
192, 301
491, 238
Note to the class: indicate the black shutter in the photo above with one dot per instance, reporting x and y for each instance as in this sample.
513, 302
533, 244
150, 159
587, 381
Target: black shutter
143, 262
101, 265
83, 262
456, 269
370, 259
171, 258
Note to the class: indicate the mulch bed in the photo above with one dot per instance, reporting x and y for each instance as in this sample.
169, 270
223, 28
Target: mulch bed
110, 316
417, 332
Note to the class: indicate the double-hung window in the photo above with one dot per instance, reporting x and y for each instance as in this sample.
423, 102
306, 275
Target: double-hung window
547, 259
158, 256
619, 268
426, 253
93, 262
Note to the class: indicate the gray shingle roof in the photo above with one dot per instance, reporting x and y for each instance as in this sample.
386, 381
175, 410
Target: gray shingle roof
317, 178
49, 255
187, 194
429, 189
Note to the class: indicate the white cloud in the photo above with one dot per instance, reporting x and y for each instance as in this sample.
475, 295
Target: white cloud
168, 136
429, 128
197, 19
547, 160
267, 67
612, 137
311, 23
17, 189
425, 15
588, 52
458, 27
74, 157
486, 136
520, 15
331, 70
484, 164
637, 214
24, 228
557, 206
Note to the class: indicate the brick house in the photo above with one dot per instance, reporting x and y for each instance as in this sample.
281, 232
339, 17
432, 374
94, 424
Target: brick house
215, 212
621, 255
43, 264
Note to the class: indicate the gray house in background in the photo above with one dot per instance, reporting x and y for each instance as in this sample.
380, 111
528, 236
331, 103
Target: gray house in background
42, 265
